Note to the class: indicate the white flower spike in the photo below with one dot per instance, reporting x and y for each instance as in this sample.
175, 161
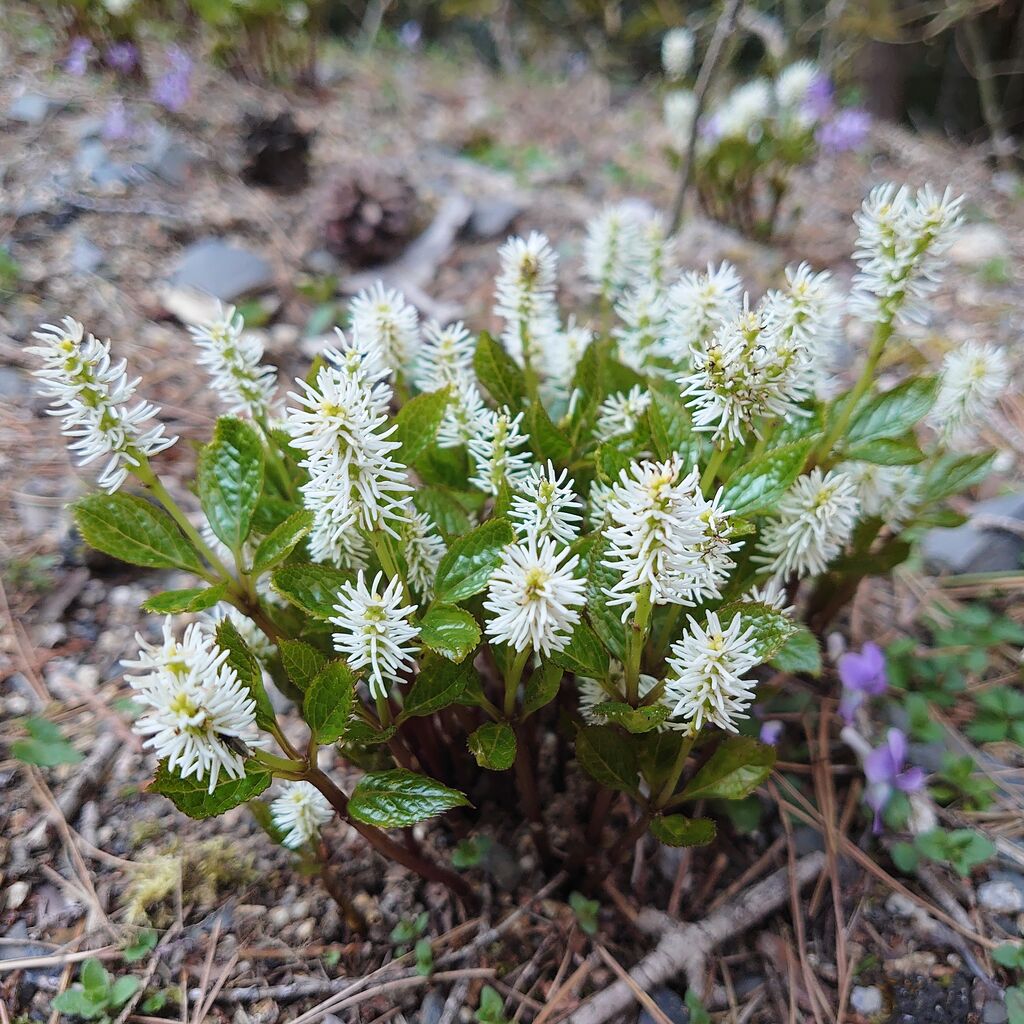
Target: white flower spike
299, 812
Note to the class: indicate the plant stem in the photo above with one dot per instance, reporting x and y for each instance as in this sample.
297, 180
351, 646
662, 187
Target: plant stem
512, 677
666, 791
276, 463
636, 637
382, 546
711, 469
279, 764
386, 846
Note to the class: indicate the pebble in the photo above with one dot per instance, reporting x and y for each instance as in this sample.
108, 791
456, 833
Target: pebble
30, 108
671, 1005
224, 271
1001, 897
994, 1012
492, 216
966, 549
17, 893
279, 917
866, 999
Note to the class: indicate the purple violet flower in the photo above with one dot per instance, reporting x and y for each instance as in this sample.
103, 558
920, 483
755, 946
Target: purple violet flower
886, 771
77, 61
771, 732
862, 675
122, 57
818, 101
410, 35
116, 125
847, 131
173, 89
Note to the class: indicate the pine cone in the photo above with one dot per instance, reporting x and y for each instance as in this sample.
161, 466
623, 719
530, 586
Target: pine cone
277, 152
370, 217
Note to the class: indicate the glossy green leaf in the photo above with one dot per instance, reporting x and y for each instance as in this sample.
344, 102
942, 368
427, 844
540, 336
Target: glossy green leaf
801, 653
678, 830
498, 373
546, 440
229, 477
248, 670
418, 421
606, 619
179, 602
191, 796
302, 662
893, 413
887, 451
737, 767
635, 720
542, 687
494, 746
279, 544
607, 756
445, 509
771, 628
471, 561
312, 587
449, 631
134, 531
584, 654
950, 474
327, 706
439, 684
671, 429
400, 798
757, 486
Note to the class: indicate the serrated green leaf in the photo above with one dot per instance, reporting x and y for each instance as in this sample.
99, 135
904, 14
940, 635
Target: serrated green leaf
131, 529
439, 684
494, 746
610, 461
542, 687
312, 587
229, 479
449, 631
546, 440
400, 798
950, 474
605, 619
757, 486
418, 421
248, 669
191, 796
887, 451
276, 547
678, 830
471, 561
584, 655
800, 653
771, 628
498, 373
634, 720
737, 767
327, 706
445, 509
607, 756
179, 602
892, 413
672, 429
302, 662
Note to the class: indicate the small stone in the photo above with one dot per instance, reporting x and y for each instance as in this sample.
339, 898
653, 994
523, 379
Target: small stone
170, 159
13, 382
866, 999
671, 1005
994, 1012
30, 108
977, 244
224, 271
304, 930
1001, 897
279, 917
968, 549
91, 156
492, 217
17, 893
86, 256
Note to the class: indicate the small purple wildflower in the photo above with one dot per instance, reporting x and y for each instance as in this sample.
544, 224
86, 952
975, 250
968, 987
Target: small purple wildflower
410, 35
771, 731
122, 57
862, 675
818, 102
886, 771
847, 131
173, 89
116, 125
77, 61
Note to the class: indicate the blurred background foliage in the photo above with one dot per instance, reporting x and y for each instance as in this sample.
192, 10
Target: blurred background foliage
956, 66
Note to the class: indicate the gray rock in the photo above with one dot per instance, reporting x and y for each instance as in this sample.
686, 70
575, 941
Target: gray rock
212, 265
968, 549
671, 1005
492, 216
866, 999
30, 108
431, 1008
86, 256
13, 383
170, 159
1003, 897
994, 1012
91, 156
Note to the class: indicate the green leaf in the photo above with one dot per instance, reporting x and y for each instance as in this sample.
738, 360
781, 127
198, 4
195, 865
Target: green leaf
771, 628
230, 478
671, 428
1015, 1005
418, 421
542, 687
586, 912
893, 413
439, 684
302, 663
123, 989
605, 619
95, 977
131, 529
178, 602
142, 945
443, 507
399, 798
498, 373
635, 720
327, 706
191, 796
887, 451
905, 857
494, 746
800, 653
607, 756
584, 654
737, 767
471, 561
276, 547
546, 440
46, 746
678, 830
79, 1004
312, 587
450, 631
492, 1007
248, 669
610, 462
1010, 954
757, 486
950, 474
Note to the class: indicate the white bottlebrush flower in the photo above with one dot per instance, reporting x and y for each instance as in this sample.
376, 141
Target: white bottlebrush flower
707, 670
524, 293
889, 492
560, 351
677, 46
495, 451
423, 549
901, 245
384, 317
361, 360
654, 527
256, 640
973, 378
772, 594
299, 812
591, 694
445, 356
610, 250
680, 108
814, 521
712, 562
546, 506
743, 111
654, 258
465, 417
642, 336
597, 504
232, 357
535, 597
197, 715
619, 414
375, 633
794, 83
91, 395
698, 303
